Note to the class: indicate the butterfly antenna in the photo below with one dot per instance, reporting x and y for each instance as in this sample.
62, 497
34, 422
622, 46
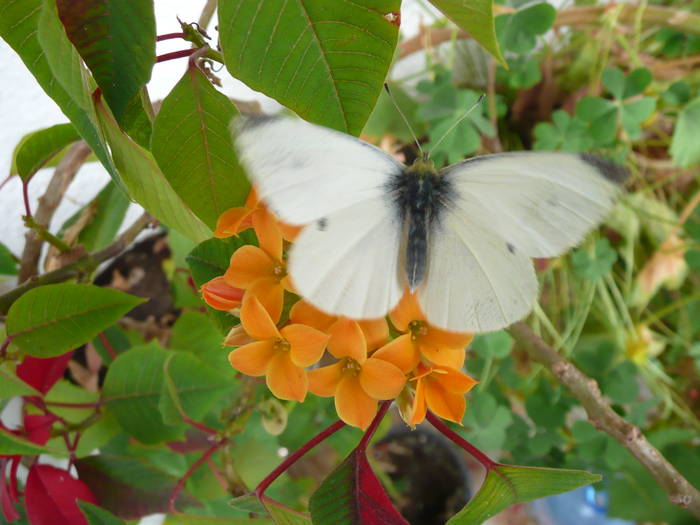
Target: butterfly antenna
408, 125
453, 126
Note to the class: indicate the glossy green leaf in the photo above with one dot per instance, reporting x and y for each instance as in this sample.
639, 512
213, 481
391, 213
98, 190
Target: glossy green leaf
53, 319
193, 146
325, 60
507, 485
105, 215
195, 519
40, 146
96, 515
11, 444
146, 183
191, 387
476, 18
195, 332
132, 391
11, 385
117, 41
129, 487
19, 27
8, 262
685, 147
66, 392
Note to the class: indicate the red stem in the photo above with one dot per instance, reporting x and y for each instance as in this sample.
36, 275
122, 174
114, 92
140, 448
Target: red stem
25, 195
108, 346
169, 36
200, 426
181, 482
174, 55
372, 428
3, 348
482, 458
294, 457
6, 180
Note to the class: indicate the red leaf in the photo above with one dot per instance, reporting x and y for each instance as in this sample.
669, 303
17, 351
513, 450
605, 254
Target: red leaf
42, 373
37, 428
352, 494
50, 497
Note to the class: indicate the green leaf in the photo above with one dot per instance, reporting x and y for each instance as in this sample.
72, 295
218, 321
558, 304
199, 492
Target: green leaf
129, 487
518, 32
117, 40
11, 385
106, 212
523, 72
132, 391
507, 485
66, 392
283, 515
39, 147
196, 333
19, 27
191, 387
614, 81
565, 134
196, 519
636, 82
685, 148
146, 183
677, 93
8, 262
53, 319
593, 267
496, 344
476, 18
96, 515
326, 61
620, 384
11, 444
193, 146
602, 116
636, 112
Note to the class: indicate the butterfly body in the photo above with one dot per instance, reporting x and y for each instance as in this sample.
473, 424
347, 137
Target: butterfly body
460, 238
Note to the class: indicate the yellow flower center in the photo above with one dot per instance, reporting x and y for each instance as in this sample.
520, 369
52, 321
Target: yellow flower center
281, 345
418, 329
279, 272
351, 366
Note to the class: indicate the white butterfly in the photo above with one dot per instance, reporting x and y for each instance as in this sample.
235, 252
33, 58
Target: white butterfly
461, 237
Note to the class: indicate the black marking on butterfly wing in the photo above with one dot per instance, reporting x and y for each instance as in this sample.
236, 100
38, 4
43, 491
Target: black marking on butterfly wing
322, 224
608, 169
510, 247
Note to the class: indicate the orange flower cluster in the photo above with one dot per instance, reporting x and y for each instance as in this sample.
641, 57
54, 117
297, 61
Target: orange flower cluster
420, 369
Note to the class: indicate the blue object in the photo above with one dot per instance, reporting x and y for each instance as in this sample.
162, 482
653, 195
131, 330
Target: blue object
584, 506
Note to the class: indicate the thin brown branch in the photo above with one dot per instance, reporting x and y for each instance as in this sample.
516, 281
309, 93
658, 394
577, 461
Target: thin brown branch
84, 265
600, 414
62, 177
207, 14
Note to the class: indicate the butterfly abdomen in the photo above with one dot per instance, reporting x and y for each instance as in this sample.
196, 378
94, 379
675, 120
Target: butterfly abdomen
418, 195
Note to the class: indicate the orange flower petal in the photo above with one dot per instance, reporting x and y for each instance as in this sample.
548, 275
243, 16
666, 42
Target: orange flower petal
446, 404
406, 311
380, 379
257, 321
289, 232
324, 381
401, 352
284, 379
443, 338
450, 357
347, 340
270, 294
248, 264
453, 380
252, 200
353, 405
252, 359
307, 343
220, 295
305, 313
376, 332
420, 408
269, 235
231, 222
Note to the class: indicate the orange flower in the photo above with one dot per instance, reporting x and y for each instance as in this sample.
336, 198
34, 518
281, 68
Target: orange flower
279, 355
236, 220
441, 389
220, 295
261, 271
356, 381
376, 331
439, 346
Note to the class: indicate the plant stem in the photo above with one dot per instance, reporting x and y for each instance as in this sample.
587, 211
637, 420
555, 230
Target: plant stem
25, 197
604, 418
482, 458
169, 36
294, 457
46, 235
372, 428
181, 482
175, 54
